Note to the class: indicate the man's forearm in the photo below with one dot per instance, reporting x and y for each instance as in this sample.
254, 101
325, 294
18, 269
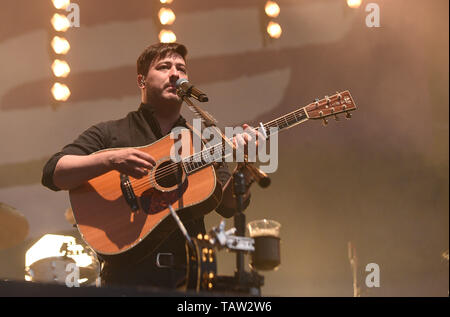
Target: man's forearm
73, 170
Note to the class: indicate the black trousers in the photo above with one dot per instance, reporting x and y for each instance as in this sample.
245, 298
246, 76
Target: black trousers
145, 273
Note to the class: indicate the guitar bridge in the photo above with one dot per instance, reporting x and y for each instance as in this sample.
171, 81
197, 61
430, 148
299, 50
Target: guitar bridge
128, 192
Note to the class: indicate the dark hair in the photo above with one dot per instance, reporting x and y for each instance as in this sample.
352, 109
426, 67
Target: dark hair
158, 51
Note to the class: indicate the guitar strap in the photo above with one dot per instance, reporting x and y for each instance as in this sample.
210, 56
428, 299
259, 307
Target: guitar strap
194, 131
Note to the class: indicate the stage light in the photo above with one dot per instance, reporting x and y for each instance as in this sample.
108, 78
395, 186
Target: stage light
60, 22
61, 4
53, 249
272, 9
274, 29
60, 45
166, 16
167, 36
354, 3
166, 1
60, 92
48, 246
60, 68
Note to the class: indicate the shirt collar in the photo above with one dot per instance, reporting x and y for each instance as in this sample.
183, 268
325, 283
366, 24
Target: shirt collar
148, 111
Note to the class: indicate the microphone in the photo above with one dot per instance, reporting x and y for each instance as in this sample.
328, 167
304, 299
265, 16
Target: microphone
184, 87
258, 175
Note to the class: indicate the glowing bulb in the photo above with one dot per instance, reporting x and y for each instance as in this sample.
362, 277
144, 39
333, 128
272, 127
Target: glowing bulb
272, 9
166, 1
60, 68
167, 36
61, 4
274, 29
354, 3
60, 92
60, 45
166, 16
60, 22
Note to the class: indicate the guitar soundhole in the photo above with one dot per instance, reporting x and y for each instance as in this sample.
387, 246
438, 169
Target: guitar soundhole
168, 174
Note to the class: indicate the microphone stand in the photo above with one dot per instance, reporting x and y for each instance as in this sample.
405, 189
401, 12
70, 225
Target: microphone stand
239, 221
242, 282
246, 282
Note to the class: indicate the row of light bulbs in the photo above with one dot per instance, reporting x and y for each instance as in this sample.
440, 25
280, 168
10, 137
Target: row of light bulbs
272, 10
61, 47
166, 18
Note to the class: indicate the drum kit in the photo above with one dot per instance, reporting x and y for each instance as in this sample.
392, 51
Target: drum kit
53, 258
64, 259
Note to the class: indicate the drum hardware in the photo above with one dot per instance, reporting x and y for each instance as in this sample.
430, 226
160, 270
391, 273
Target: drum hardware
226, 239
201, 260
359, 287
202, 263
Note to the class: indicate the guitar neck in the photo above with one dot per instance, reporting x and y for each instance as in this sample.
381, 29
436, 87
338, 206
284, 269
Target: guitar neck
284, 122
219, 153
320, 109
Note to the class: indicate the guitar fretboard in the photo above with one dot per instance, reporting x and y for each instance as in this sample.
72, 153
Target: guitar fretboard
221, 151
285, 122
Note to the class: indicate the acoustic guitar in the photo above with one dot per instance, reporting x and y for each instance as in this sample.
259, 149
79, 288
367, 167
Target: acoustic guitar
117, 214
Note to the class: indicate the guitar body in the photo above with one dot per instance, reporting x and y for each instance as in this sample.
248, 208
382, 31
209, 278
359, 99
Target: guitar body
110, 227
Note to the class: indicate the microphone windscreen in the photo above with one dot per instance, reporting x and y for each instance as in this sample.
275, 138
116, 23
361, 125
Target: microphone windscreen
180, 81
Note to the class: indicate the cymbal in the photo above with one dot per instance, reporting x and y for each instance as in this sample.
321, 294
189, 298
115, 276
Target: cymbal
13, 226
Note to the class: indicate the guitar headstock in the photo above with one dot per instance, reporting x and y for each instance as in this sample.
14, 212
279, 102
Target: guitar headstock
331, 106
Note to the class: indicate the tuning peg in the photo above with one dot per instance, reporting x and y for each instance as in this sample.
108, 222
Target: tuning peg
325, 122
328, 101
348, 115
316, 102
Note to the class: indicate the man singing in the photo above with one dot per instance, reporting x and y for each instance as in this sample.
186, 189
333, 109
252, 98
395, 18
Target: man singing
158, 69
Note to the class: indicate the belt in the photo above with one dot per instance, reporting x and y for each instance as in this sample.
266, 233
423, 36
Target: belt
165, 260
169, 260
